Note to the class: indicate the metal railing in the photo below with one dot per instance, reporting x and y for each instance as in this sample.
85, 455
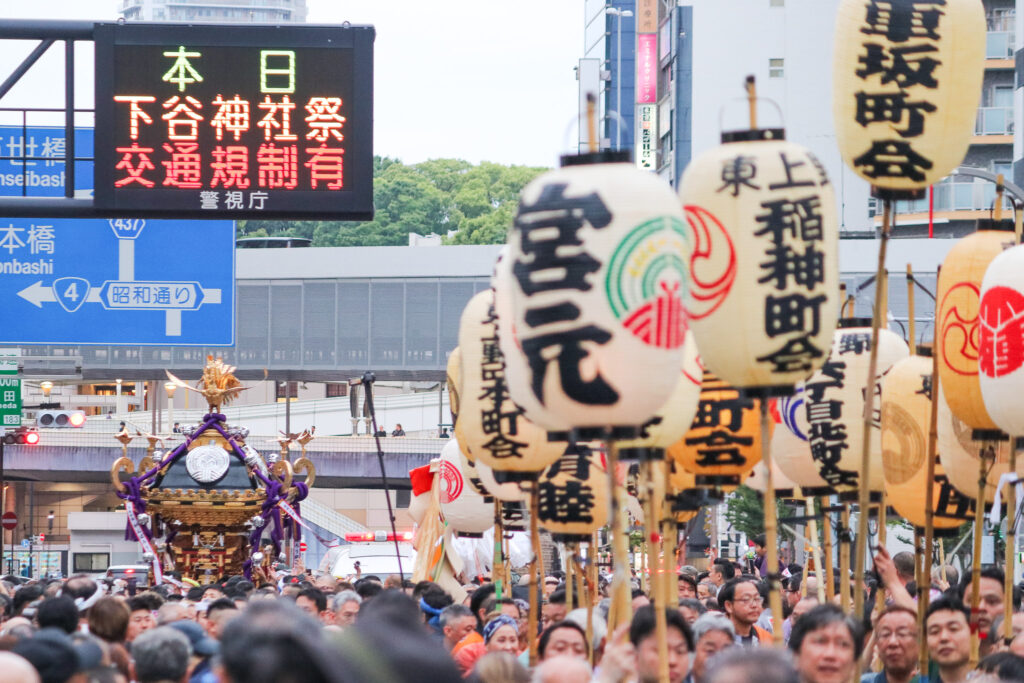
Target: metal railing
994, 121
999, 45
958, 196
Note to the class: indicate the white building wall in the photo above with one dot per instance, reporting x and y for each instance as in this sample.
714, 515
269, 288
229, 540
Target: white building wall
735, 38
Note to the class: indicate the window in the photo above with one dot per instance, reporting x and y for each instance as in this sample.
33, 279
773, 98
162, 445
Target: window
291, 387
776, 3
1002, 96
337, 389
776, 68
90, 562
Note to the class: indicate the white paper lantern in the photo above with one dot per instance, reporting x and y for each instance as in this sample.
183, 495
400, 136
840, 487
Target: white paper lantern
758, 477
492, 428
835, 398
1001, 345
763, 235
791, 450
507, 491
673, 419
596, 255
463, 508
573, 495
906, 84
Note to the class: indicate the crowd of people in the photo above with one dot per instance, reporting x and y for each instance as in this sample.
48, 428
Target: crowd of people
303, 627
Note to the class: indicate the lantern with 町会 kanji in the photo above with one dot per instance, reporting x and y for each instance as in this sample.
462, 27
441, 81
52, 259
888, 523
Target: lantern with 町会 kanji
834, 399
906, 416
762, 237
1001, 340
493, 428
573, 495
906, 85
724, 442
597, 271
465, 510
791, 450
957, 320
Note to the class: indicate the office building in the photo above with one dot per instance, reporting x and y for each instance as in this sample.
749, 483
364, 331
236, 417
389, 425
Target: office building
219, 11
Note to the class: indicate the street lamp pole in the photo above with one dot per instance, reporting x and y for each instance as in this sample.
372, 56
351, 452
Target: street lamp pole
618, 13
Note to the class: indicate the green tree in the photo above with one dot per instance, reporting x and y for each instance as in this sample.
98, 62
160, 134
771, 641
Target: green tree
744, 510
435, 196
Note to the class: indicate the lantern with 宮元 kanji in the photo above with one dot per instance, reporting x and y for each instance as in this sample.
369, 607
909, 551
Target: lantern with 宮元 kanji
465, 510
597, 271
957, 321
573, 495
1001, 340
494, 430
791, 450
834, 399
724, 442
960, 452
674, 418
762, 236
906, 84
906, 416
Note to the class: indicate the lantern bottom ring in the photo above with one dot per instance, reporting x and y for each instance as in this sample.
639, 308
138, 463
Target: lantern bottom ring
608, 156
989, 435
466, 534
715, 480
888, 194
512, 477
816, 491
641, 454
942, 533
602, 433
854, 496
571, 538
776, 391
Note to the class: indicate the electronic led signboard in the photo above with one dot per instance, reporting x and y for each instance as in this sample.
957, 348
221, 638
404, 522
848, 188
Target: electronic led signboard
224, 121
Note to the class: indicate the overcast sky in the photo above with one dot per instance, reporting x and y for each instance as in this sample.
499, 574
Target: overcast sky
482, 80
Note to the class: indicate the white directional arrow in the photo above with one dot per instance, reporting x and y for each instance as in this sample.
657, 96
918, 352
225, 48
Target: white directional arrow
37, 294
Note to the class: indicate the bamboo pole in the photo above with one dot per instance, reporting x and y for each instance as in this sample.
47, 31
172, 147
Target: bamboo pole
591, 592
535, 571
621, 594
812, 525
771, 521
924, 595
869, 403
752, 101
827, 574
569, 578
979, 523
844, 559
912, 341
880, 592
498, 563
1011, 517
651, 541
670, 535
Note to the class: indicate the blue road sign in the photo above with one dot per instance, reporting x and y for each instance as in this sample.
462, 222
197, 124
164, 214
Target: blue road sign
43, 176
86, 281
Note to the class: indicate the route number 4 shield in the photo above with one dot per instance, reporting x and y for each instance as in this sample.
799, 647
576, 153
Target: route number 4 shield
71, 292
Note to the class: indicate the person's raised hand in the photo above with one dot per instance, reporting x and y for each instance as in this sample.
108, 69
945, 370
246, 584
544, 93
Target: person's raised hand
619, 660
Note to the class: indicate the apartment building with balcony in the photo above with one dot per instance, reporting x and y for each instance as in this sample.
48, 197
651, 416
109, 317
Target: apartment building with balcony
220, 11
958, 201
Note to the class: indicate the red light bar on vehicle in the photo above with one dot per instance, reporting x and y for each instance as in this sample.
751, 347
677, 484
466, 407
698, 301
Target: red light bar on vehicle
378, 537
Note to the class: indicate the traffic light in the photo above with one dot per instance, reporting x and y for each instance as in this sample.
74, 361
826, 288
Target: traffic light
60, 419
23, 436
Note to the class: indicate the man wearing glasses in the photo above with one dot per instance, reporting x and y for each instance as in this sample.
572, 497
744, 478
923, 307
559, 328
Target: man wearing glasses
896, 643
742, 603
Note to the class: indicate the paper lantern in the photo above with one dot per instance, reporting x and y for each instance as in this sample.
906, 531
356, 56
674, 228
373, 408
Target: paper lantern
596, 255
468, 513
686, 499
495, 430
763, 234
791, 451
906, 84
453, 378
835, 398
906, 420
757, 479
503, 491
958, 334
673, 419
1001, 340
573, 496
724, 441
959, 453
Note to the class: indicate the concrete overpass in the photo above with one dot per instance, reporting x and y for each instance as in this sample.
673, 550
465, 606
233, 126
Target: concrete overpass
72, 456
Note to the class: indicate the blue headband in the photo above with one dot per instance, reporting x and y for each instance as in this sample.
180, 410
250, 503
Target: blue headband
435, 614
496, 623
